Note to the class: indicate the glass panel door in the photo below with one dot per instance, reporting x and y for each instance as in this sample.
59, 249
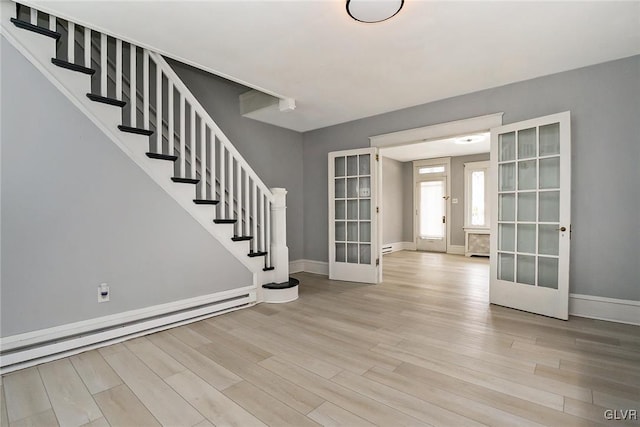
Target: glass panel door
530, 236
432, 208
353, 253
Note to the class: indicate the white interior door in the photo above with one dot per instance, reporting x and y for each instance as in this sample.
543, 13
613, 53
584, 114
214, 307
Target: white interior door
530, 235
432, 215
353, 220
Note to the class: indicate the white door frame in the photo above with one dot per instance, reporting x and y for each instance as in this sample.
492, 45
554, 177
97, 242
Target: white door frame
446, 161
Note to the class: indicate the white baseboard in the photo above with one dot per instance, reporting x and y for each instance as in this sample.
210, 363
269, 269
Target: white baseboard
31, 348
310, 266
455, 249
398, 246
601, 308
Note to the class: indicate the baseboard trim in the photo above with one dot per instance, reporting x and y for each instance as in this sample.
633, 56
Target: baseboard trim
455, 249
309, 266
296, 266
602, 308
28, 349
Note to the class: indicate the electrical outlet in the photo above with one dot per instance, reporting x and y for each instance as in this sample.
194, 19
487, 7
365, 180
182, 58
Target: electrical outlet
454, 201
103, 292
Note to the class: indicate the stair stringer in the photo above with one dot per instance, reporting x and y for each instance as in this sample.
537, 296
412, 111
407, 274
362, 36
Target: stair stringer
39, 50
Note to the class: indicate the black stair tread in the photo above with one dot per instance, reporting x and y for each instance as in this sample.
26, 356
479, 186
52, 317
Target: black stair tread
106, 100
241, 238
293, 282
256, 254
225, 221
185, 180
205, 202
160, 156
268, 268
40, 30
73, 67
138, 131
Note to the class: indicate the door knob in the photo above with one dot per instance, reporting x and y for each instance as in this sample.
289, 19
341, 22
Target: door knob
562, 229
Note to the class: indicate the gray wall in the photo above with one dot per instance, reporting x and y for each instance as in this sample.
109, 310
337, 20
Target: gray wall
604, 100
392, 206
76, 212
273, 152
457, 192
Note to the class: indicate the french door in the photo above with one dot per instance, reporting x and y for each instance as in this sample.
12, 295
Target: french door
353, 220
530, 234
431, 215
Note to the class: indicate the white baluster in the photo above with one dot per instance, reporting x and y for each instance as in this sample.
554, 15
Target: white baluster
203, 160
231, 195
223, 184
133, 85
239, 198
247, 206
34, 16
212, 166
52, 23
158, 109
254, 214
171, 118
119, 69
192, 140
71, 43
87, 47
183, 142
103, 65
263, 227
267, 226
145, 88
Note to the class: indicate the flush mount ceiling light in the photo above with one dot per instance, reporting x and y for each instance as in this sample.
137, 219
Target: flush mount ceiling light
471, 139
371, 11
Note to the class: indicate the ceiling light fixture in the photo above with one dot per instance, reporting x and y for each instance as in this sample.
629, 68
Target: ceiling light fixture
371, 11
471, 139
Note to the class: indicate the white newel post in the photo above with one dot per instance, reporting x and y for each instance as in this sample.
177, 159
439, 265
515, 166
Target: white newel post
279, 248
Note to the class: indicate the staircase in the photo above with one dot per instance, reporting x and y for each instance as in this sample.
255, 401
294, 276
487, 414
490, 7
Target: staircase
134, 96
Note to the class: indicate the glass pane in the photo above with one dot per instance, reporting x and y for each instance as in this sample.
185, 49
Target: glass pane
352, 253
477, 198
526, 206
341, 231
365, 164
339, 165
340, 188
507, 207
352, 231
527, 238
365, 231
506, 237
507, 177
340, 209
352, 209
550, 139
431, 209
352, 165
548, 239
365, 209
550, 173
365, 254
527, 175
507, 143
430, 169
505, 267
548, 272
341, 252
527, 143
526, 270
352, 187
549, 206
365, 187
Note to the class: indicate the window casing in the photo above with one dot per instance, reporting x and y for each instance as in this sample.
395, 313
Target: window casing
476, 191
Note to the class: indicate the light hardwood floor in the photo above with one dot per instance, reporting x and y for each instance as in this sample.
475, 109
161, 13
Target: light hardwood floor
422, 348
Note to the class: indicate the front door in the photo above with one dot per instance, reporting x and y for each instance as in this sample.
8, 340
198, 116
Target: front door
431, 215
353, 219
530, 235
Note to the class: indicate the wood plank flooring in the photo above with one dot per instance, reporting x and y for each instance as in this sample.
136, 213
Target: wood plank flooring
423, 348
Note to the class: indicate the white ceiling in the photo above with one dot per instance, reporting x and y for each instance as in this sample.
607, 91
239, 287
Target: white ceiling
339, 70
449, 147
